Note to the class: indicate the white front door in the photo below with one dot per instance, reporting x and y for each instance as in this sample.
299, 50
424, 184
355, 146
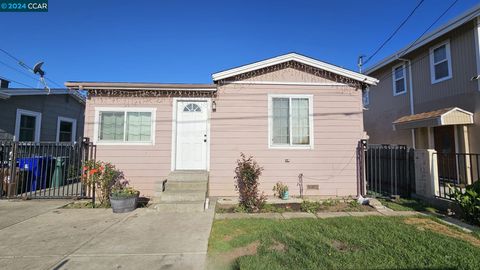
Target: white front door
191, 151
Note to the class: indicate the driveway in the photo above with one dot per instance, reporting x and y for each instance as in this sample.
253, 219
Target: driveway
39, 235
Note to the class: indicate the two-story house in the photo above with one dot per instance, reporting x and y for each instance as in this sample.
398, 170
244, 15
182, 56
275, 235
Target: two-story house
429, 93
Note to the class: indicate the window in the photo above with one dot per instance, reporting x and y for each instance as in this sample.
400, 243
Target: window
366, 97
121, 125
66, 129
27, 126
440, 63
399, 80
291, 121
192, 107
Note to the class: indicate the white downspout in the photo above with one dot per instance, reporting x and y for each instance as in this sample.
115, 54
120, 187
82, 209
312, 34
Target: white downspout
410, 85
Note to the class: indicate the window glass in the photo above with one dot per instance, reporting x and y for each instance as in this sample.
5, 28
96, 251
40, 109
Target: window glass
441, 70
139, 126
440, 54
281, 121
27, 128
111, 126
300, 121
66, 130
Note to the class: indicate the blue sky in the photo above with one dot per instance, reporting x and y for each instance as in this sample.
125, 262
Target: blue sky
186, 41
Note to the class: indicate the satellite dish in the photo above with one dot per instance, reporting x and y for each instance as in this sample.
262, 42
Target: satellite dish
37, 69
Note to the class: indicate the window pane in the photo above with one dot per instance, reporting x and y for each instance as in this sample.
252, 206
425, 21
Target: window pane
27, 128
399, 72
400, 86
281, 121
440, 54
300, 123
441, 70
111, 126
366, 97
139, 126
65, 131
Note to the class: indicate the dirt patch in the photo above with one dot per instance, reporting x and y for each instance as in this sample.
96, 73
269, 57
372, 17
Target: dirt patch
428, 224
233, 235
277, 246
342, 247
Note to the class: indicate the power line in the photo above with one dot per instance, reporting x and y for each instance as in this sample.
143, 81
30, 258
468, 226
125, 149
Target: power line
22, 64
19, 71
431, 25
27, 85
424, 32
395, 32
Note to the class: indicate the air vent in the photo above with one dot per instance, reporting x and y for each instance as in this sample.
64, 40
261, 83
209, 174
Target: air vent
312, 187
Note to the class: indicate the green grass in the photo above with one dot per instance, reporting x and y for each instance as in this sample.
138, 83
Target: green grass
404, 204
338, 243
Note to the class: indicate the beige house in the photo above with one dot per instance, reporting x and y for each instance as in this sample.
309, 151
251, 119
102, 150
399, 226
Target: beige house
429, 93
295, 115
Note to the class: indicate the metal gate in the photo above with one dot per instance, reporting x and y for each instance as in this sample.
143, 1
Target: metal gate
46, 170
387, 169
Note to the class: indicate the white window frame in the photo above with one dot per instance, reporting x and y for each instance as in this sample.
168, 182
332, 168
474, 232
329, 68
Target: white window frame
38, 123
432, 64
271, 145
96, 126
74, 127
366, 97
394, 80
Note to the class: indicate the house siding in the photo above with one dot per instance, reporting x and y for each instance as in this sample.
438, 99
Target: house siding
143, 165
51, 107
459, 91
240, 124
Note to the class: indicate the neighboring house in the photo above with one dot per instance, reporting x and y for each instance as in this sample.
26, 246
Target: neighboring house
429, 92
38, 116
294, 114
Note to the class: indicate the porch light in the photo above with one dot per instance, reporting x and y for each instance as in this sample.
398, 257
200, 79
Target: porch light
214, 106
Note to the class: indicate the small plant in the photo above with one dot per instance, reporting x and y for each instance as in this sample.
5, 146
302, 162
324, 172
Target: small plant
104, 176
310, 206
125, 192
330, 202
280, 190
469, 201
247, 173
354, 203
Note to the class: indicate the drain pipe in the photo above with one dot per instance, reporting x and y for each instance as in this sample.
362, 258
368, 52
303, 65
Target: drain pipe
410, 85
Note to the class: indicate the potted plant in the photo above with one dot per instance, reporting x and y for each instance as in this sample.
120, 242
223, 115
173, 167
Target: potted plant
123, 199
281, 190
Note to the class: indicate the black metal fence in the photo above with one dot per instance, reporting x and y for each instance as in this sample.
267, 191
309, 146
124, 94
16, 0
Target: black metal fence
44, 170
387, 169
456, 170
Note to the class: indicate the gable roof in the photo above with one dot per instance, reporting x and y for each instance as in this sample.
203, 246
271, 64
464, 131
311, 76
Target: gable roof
441, 117
6, 93
298, 58
79, 85
454, 23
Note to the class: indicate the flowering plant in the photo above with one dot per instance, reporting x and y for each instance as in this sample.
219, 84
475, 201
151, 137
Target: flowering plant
104, 176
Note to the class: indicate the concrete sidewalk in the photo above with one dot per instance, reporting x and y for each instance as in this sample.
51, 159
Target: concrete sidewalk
99, 239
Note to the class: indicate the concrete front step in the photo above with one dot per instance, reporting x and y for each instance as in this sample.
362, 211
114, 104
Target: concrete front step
182, 185
179, 207
188, 176
181, 195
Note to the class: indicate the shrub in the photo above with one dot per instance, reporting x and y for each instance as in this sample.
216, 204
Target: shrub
247, 173
310, 206
279, 189
469, 201
104, 176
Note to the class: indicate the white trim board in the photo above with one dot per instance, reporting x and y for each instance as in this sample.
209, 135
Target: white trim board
477, 47
445, 43
74, 127
124, 109
173, 155
298, 58
38, 123
310, 146
286, 83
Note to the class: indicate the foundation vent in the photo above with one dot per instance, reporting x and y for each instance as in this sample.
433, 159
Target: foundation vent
312, 187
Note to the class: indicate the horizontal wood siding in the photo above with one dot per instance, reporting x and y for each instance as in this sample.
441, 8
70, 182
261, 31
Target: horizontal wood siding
143, 165
240, 124
51, 107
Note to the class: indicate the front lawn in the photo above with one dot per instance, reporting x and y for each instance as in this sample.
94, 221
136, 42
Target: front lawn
341, 243
407, 204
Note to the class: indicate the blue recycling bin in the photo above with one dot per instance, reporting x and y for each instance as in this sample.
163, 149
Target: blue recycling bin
36, 170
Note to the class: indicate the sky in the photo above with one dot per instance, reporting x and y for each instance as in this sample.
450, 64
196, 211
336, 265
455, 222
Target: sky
175, 41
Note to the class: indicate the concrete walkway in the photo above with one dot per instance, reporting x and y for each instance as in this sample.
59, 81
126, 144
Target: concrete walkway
290, 215
38, 236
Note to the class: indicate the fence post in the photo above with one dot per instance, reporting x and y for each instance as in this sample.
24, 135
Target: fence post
426, 173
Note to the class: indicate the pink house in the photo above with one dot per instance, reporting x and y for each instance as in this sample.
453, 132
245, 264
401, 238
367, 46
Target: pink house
296, 116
